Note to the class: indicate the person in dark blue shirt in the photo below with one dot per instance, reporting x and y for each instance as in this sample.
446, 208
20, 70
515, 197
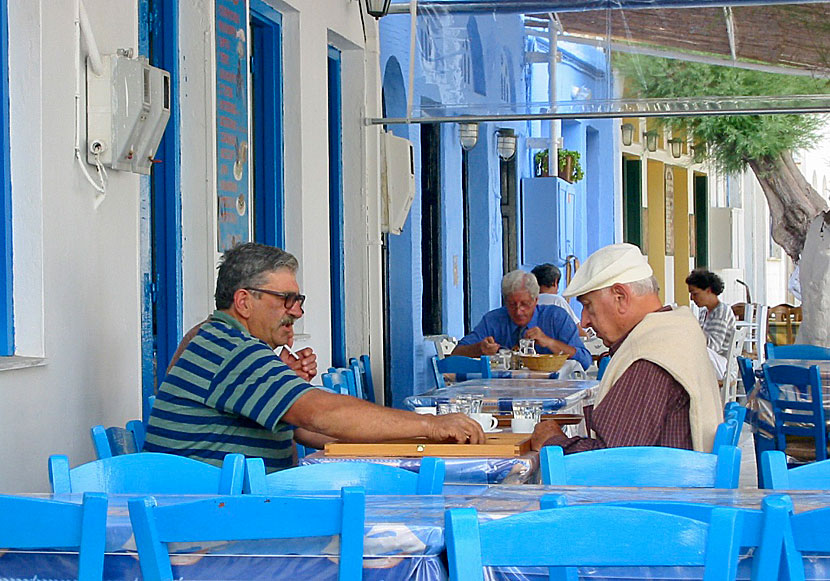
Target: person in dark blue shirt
521, 317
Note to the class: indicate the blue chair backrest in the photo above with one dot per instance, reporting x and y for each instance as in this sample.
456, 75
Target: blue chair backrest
601, 365
787, 536
247, 517
115, 441
592, 535
797, 418
463, 367
727, 434
747, 372
148, 473
332, 476
642, 466
340, 381
32, 523
798, 351
776, 475
734, 410
363, 374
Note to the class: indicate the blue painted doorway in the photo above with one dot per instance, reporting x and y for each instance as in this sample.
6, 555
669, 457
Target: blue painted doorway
337, 262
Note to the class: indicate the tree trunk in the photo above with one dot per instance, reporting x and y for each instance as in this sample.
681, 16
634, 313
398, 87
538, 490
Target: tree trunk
793, 203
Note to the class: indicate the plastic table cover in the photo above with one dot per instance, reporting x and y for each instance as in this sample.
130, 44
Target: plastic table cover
463, 471
404, 539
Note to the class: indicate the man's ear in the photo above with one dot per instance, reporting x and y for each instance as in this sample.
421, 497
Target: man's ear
621, 296
243, 302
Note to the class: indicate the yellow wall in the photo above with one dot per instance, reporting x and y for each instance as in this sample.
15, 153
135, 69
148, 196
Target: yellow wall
681, 234
656, 192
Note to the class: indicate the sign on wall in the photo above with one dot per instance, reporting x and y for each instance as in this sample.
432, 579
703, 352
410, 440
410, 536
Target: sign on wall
233, 203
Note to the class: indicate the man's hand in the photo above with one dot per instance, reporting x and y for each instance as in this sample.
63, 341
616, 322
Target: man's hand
549, 343
539, 336
304, 364
488, 346
455, 428
543, 432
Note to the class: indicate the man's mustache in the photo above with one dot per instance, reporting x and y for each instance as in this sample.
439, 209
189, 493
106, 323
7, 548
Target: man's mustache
287, 320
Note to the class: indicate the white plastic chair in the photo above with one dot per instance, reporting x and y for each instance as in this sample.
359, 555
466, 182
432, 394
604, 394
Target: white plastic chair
729, 391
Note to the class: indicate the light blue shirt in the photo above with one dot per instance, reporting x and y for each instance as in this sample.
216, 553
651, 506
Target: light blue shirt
553, 320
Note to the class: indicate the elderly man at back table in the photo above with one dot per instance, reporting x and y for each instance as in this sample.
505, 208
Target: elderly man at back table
549, 326
229, 392
659, 388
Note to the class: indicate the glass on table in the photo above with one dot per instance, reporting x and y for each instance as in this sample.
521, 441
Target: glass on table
446, 407
527, 347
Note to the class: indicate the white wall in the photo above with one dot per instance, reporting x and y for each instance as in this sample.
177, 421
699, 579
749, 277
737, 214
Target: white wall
76, 275
77, 259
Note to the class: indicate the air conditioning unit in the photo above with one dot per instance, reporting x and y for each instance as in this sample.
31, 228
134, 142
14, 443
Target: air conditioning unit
397, 181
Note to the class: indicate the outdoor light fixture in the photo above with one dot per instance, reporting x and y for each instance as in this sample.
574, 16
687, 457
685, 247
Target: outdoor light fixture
506, 143
468, 135
651, 140
676, 147
377, 8
627, 133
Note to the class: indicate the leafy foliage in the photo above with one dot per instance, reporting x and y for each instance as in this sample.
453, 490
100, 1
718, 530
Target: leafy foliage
732, 140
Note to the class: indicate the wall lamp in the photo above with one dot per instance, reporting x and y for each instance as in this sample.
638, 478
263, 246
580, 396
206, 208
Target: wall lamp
651, 139
506, 143
676, 147
377, 8
468, 135
627, 133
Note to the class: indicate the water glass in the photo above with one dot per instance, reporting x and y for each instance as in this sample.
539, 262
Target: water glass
527, 346
533, 409
447, 408
520, 409
476, 401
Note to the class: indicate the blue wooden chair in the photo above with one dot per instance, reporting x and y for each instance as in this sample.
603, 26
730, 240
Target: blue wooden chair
148, 473
33, 523
340, 381
642, 466
601, 365
734, 410
115, 440
727, 434
747, 372
232, 518
798, 351
362, 369
591, 535
803, 418
332, 476
463, 367
777, 476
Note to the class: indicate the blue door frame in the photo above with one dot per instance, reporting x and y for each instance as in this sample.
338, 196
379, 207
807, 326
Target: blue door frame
162, 302
266, 73
6, 288
336, 254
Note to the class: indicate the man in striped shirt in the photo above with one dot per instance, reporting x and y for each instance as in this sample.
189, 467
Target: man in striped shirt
229, 392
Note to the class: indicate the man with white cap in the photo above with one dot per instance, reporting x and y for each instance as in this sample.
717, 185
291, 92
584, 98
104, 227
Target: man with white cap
659, 388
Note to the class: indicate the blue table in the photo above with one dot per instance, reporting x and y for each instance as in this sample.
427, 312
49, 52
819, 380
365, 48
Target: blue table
404, 539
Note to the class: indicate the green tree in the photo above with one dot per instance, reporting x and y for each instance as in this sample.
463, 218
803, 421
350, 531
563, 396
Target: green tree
763, 143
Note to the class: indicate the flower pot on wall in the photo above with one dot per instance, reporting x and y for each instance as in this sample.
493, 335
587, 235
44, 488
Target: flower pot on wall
566, 168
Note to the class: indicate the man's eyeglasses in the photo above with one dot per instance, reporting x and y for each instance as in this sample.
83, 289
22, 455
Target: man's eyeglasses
289, 298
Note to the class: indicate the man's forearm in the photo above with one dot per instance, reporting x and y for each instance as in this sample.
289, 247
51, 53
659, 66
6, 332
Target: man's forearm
311, 439
354, 420
472, 350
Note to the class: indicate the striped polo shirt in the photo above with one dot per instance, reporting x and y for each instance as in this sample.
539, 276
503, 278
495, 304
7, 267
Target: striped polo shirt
225, 394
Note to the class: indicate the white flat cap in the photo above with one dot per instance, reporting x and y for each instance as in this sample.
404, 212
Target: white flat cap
617, 263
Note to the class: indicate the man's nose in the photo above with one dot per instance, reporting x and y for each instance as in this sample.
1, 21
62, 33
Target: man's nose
296, 310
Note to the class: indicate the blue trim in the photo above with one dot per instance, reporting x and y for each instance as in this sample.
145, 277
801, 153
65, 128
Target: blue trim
267, 97
6, 273
337, 261
158, 39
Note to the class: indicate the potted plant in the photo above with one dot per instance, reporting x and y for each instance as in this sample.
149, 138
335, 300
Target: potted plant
570, 169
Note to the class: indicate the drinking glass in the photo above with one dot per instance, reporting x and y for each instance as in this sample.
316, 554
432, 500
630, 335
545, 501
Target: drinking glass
447, 408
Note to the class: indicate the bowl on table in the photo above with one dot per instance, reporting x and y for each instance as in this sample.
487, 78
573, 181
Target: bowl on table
549, 363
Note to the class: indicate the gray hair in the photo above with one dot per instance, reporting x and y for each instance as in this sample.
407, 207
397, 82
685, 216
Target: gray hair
646, 286
248, 265
519, 280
